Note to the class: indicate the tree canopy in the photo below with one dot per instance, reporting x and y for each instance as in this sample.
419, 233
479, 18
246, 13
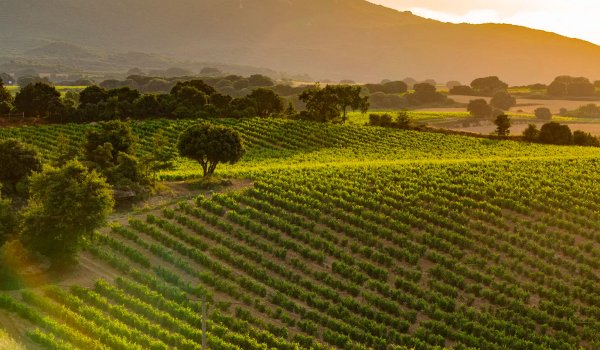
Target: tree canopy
39, 100
210, 145
556, 134
66, 205
326, 104
503, 100
116, 133
17, 161
488, 86
267, 102
503, 125
479, 108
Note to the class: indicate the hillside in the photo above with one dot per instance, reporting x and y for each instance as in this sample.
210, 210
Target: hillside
350, 237
336, 39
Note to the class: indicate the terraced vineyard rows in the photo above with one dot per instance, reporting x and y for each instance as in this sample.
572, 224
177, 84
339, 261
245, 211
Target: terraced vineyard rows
417, 240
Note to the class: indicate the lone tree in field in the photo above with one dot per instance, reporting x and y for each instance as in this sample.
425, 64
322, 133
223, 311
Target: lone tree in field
66, 205
502, 125
17, 161
543, 113
503, 100
479, 108
210, 145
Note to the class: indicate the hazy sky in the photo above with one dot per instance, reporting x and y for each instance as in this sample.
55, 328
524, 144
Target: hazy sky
573, 18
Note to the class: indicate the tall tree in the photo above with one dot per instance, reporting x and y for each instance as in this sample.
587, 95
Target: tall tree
210, 145
66, 205
502, 125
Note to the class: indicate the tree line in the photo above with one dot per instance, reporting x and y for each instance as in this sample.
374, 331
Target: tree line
187, 99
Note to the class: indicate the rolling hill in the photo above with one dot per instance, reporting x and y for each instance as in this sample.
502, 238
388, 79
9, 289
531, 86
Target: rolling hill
333, 236
338, 39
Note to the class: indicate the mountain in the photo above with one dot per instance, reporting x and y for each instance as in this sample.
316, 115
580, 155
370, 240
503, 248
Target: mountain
337, 39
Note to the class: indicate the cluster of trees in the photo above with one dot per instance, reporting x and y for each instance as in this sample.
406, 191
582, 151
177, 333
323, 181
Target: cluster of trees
565, 85
332, 102
500, 100
188, 99
401, 121
233, 85
64, 202
388, 95
487, 86
557, 134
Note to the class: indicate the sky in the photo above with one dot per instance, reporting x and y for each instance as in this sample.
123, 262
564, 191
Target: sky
572, 18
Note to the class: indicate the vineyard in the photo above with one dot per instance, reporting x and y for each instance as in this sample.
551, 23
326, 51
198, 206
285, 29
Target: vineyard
350, 237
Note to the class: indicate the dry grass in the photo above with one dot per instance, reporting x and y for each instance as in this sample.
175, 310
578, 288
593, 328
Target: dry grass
7, 343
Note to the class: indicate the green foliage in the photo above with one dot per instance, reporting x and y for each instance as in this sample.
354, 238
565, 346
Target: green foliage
479, 108
92, 95
503, 100
8, 220
503, 124
571, 86
581, 138
210, 145
116, 133
66, 205
161, 156
543, 113
39, 100
488, 86
267, 102
425, 93
402, 120
328, 103
556, 134
18, 160
5, 95
196, 84
531, 133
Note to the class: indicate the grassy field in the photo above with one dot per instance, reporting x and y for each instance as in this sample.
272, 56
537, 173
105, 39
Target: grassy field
347, 237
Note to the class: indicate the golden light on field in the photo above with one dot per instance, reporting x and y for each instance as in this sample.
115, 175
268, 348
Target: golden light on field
576, 18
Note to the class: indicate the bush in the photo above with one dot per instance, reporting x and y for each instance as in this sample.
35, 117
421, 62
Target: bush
582, 138
556, 134
531, 134
479, 108
543, 113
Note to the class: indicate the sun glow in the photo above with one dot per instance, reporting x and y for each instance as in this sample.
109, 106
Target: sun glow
577, 18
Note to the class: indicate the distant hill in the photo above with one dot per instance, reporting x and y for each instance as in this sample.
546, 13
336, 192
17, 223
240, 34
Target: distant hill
338, 39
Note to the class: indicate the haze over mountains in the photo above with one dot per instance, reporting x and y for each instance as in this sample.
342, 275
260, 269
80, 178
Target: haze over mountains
335, 39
